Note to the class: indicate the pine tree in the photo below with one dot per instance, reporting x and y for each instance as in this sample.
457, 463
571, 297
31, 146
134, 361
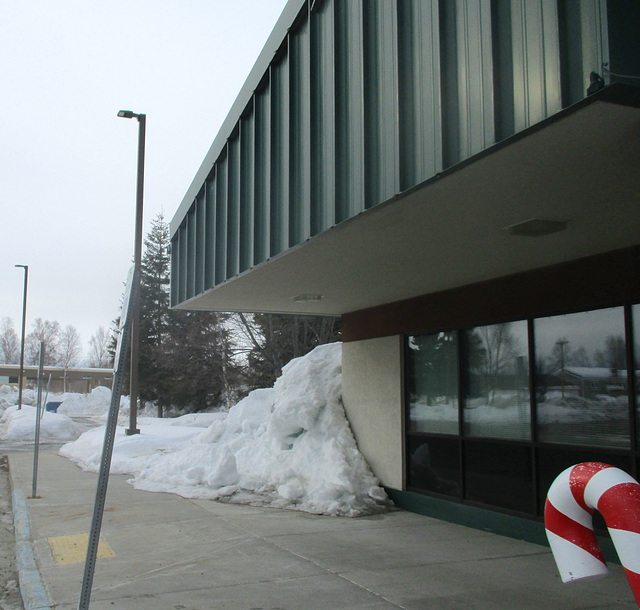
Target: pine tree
204, 375
154, 312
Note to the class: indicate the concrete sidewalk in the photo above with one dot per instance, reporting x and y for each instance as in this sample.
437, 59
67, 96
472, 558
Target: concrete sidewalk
162, 551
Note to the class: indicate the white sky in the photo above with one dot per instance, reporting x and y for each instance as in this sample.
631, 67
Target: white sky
68, 163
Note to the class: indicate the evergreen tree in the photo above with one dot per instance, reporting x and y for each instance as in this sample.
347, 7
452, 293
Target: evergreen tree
203, 374
154, 312
185, 357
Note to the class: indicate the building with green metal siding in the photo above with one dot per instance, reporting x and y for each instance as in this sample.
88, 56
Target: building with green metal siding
458, 180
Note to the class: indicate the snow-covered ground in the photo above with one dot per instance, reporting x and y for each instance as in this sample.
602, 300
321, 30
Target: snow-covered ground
289, 446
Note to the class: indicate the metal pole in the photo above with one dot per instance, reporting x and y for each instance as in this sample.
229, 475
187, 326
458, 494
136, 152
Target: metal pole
36, 445
107, 448
24, 320
137, 262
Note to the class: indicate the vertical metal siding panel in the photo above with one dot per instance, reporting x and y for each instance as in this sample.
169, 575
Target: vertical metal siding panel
200, 241
210, 237
551, 41
475, 76
191, 252
221, 219
520, 76
279, 211
323, 126
300, 135
175, 266
420, 117
536, 61
247, 190
233, 207
571, 55
349, 109
182, 262
262, 174
595, 39
381, 101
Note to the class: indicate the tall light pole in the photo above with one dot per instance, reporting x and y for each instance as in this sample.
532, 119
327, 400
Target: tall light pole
24, 321
561, 343
137, 262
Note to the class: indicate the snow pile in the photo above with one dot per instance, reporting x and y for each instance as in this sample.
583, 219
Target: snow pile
96, 403
285, 447
9, 397
19, 425
130, 452
556, 408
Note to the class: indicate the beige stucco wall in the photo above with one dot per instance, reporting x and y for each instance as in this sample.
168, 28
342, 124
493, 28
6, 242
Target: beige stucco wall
372, 395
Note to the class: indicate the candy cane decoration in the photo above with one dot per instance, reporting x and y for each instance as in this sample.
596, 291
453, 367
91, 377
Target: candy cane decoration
571, 500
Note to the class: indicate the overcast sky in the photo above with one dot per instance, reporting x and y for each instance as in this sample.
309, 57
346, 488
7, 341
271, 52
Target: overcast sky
68, 163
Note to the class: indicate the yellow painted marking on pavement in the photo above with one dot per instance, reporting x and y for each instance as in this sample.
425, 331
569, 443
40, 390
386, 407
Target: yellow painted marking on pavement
73, 548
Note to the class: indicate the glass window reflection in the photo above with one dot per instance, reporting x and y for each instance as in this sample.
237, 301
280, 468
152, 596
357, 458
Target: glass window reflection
432, 383
635, 316
497, 401
581, 379
434, 465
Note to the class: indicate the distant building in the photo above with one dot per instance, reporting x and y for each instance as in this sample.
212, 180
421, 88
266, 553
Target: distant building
58, 379
437, 174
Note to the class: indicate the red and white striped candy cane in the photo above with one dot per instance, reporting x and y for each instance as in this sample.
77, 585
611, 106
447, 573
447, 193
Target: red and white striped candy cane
571, 500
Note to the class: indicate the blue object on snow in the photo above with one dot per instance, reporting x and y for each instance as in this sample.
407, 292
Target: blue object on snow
52, 406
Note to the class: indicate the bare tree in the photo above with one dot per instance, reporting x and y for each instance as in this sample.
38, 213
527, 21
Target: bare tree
46, 331
69, 347
493, 350
99, 356
9, 344
272, 340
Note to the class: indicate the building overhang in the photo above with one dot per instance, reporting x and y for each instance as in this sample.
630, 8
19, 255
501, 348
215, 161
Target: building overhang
567, 188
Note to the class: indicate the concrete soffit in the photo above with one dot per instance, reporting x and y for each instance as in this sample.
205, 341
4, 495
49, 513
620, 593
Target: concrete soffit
577, 172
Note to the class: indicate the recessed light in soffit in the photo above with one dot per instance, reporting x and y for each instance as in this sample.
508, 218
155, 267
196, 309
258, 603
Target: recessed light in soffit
537, 227
307, 298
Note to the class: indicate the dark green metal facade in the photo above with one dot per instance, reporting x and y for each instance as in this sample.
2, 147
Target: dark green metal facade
364, 99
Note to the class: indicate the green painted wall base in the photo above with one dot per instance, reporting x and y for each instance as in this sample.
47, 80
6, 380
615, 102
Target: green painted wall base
483, 519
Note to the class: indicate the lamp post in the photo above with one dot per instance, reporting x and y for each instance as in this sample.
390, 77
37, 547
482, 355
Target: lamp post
137, 262
24, 320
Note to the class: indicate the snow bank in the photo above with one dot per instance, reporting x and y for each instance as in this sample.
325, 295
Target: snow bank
130, 451
95, 403
287, 447
19, 425
9, 397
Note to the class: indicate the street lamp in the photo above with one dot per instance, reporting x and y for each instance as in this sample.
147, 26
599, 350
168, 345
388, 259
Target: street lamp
137, 262
24, 320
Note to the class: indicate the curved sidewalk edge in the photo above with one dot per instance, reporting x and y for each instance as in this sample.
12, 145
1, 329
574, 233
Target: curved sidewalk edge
34, 594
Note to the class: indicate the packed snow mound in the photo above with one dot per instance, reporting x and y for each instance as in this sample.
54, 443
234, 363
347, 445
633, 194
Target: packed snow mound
131, 452
289, 446
95, 403
19, 425
286, 447
9, 397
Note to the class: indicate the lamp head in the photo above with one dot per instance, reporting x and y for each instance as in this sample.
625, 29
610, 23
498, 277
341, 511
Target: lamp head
127, 114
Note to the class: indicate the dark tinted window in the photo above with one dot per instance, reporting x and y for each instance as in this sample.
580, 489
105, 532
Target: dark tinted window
499, 474
434, 465
581, 379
